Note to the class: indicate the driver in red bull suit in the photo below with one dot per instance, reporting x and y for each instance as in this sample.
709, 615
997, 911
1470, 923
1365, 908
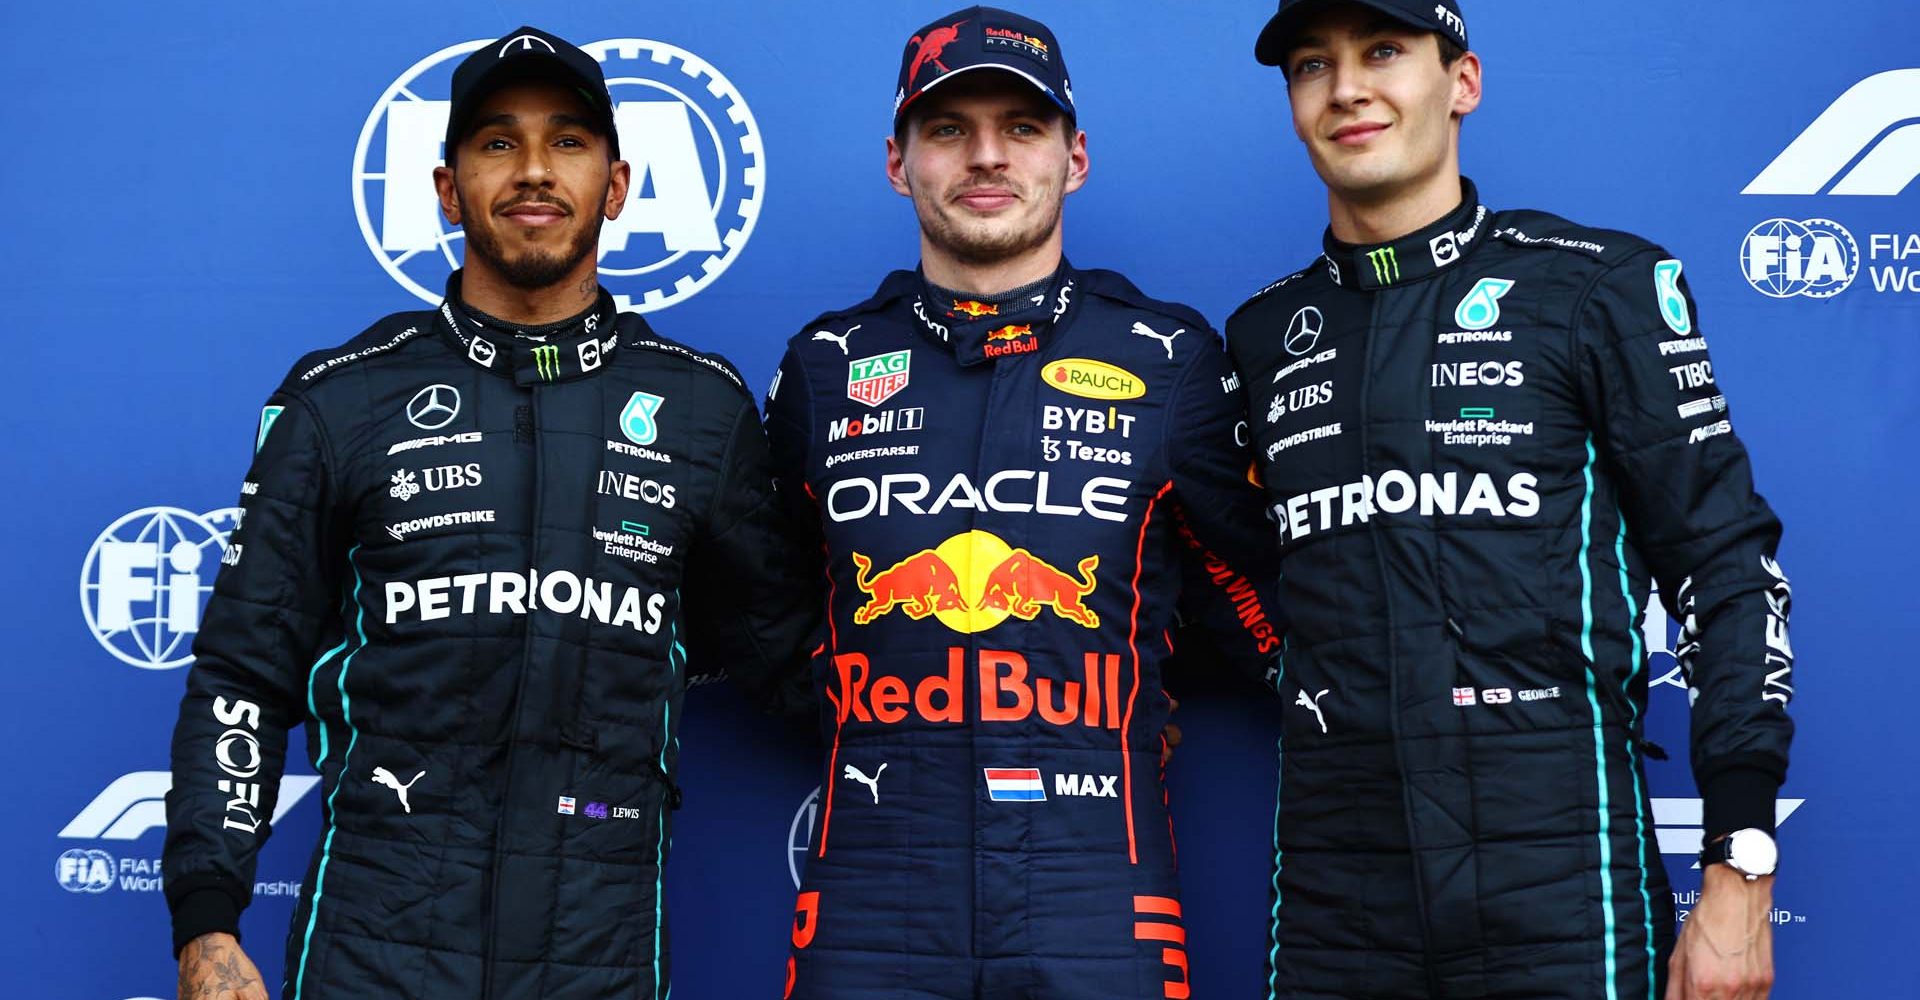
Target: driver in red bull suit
1011, 464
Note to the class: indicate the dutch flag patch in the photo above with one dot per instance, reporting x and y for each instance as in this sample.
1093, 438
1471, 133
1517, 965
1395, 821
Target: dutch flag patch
1015, 784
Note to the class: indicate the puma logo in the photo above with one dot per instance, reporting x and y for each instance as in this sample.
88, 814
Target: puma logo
873, 783
1313, 705
1165, 339
382, 776
837, 338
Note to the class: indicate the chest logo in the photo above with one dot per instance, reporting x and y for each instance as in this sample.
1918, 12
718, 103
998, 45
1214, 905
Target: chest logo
874, 380
434, 407
1166, 339
636, 419
1481, 308
1303, 331
974, 581
1091, 379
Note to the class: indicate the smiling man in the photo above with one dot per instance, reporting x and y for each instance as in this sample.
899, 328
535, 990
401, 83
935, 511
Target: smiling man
1010, 461
1484, 436
480, 545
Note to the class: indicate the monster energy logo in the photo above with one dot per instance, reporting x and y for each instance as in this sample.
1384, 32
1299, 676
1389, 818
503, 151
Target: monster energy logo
1386, 265
546, 360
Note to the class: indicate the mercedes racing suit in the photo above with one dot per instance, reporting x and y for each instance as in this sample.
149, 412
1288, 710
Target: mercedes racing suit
1007, 496
1483, 443
476, 567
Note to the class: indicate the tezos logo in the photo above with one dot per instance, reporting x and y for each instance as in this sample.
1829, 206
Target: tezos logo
1816, 258
146, 579
699, 174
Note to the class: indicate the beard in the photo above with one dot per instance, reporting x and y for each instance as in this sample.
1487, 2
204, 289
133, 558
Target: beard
536, 267
975, 240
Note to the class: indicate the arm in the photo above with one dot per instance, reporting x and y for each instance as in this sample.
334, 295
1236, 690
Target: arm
749, 607
1230, 555
1686, 492
274, 603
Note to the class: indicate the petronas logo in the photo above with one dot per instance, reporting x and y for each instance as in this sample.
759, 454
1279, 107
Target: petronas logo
546, 360
1386, 265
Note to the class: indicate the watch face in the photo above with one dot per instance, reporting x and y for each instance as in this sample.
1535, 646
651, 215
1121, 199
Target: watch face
1753, 852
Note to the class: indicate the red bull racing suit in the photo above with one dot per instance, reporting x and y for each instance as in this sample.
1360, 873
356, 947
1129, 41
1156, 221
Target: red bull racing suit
1008, 496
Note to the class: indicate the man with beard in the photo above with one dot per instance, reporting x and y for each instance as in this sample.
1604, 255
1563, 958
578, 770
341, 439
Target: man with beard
1009, 461
480, 545
1484, 436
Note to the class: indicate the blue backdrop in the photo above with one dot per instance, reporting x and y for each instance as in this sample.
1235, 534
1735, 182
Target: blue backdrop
199, 195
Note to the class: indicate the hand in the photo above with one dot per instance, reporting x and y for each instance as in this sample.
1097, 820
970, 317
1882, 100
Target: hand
1170, 734
1725, 950
212, 967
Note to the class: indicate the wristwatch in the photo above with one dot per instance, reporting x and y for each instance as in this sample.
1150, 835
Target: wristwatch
1750, 852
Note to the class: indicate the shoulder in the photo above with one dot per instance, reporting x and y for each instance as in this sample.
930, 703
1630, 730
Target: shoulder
1532, 232
1278, 291
1114, 288
894, 287
388, 335
637, 335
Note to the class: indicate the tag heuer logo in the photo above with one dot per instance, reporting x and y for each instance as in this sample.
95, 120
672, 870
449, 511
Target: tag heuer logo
876, 379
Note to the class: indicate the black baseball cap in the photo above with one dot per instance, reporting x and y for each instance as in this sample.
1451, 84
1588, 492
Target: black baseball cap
522, 54
983, 38
1441, 17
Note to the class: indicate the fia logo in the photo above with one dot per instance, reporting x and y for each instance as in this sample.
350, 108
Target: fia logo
800, 834
1782, 258
698, 166
1859, 131
146, 580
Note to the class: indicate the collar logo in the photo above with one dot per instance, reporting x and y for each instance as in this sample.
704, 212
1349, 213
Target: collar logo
546, 361
434, 407
481, 352
636, 419
1386, 264
1303, 331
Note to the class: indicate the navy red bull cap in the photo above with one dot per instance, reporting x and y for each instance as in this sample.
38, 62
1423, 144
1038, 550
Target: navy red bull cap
983, 38
527, 53
1441, 17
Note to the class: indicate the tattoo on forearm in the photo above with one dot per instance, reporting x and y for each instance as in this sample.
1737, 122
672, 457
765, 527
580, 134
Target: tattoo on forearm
212, 971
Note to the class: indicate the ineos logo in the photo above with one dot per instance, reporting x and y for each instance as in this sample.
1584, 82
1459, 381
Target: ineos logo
434, 407
1303, 331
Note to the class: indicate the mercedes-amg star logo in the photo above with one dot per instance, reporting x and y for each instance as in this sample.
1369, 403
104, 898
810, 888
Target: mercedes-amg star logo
434, 407
1303, 331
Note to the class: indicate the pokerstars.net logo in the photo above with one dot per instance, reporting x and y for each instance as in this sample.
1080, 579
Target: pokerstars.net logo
699, 174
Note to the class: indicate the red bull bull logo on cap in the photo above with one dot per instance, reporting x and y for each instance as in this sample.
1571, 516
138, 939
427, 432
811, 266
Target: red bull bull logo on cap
974, 581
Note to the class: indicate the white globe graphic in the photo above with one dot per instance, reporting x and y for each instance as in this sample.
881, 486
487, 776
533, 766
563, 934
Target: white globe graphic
1780, 279
138, 576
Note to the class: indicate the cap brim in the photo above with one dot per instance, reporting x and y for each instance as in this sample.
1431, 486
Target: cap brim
1271, 47
1044, 90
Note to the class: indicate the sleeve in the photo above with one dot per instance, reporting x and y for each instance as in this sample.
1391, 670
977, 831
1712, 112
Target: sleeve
1230, 554
1686, 493
790, 437
274, 603
750, 608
